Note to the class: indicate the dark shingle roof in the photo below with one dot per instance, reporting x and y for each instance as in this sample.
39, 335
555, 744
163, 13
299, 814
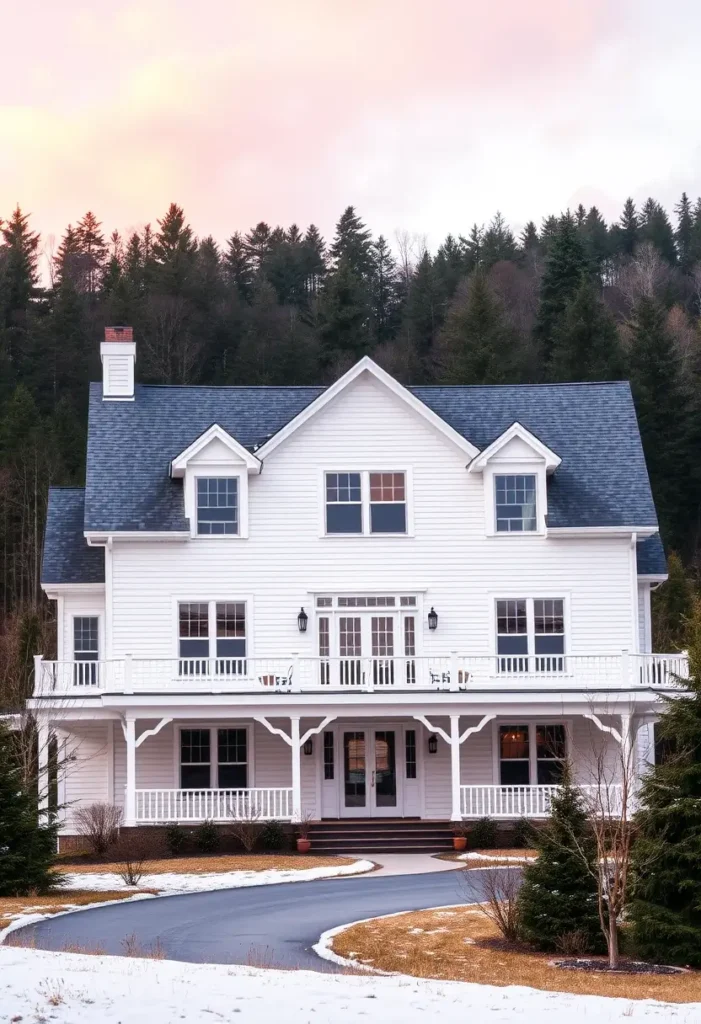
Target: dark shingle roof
67, 557
651, 557
602, 480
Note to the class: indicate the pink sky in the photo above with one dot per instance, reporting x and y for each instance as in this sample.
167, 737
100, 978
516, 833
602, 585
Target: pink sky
427, 115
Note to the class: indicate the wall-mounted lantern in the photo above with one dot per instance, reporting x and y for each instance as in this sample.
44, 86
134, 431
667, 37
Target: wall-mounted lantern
433, 619
308, 748
302, 620
432, 743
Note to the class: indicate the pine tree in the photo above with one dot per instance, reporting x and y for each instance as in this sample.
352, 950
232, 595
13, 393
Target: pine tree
352, 244
586, 344
477, 344
558, 897
498, 243
566, 265
174, 250
257, 243
595, 236
656, 229
313, 261
672, 605
93, 250
666, 907
684, 233
238, 266
344, 314
662, 403
27, 836
448, 268
625, 235
424, 311
472, 248
384, 292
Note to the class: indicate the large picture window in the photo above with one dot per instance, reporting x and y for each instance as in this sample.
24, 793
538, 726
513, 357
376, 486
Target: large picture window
533, 753
515, 498
366, 502
217, 505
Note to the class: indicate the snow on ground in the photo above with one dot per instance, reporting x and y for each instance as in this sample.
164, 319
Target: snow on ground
66, 988
174, 883
477, 855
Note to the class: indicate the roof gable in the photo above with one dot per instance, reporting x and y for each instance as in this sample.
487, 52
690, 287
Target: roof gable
516, 432
209, 439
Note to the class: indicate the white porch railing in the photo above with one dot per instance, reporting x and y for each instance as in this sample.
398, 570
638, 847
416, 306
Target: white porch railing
453, 672
531, 801
163, 805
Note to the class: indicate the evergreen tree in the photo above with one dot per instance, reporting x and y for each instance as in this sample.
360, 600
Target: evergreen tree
352, 245
258, 245
385, 292
566, 265
672, 605
238, 266
472, 248
498, 243
93, 251
313, 261
664, 415
558, 896
656, 229
595, 237
344, 314
586, 345
625, 235
448, 268
424, 312
27, 838
529, 239
666, 907
174, 250
684, 233
477, 344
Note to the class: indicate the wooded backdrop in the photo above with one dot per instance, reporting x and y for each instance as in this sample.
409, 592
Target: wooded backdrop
575, 299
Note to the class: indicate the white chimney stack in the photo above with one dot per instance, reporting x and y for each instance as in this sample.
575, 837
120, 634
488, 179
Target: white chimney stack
118, 355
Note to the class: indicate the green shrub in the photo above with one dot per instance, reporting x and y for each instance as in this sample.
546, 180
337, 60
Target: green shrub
176, 839
206, 837
483, 835
523, 834
272, 836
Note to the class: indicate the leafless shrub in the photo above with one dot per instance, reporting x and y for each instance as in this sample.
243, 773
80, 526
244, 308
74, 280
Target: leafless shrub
99, 824
247, 829
131, 856
52, 991
499, 901
133, 948
574, 943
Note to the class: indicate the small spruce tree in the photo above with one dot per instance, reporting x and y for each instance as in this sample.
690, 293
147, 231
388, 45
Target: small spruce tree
27, 835
666, 905
558, 897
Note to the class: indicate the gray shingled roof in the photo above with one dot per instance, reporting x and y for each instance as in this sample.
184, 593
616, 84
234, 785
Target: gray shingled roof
67, 557
602, 480
651, 557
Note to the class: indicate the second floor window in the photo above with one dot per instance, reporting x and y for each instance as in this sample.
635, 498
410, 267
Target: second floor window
217, 505
366, 503
515, 498
212, 630
531, 635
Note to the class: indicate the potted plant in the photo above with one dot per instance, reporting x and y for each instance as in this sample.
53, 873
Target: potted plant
460, 832
304, 843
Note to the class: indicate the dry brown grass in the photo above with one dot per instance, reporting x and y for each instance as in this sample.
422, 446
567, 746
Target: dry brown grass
492, 858
10, 906
211, 863
460, 944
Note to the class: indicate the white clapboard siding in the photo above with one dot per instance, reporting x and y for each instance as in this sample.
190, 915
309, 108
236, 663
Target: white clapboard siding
86, 778
450, 557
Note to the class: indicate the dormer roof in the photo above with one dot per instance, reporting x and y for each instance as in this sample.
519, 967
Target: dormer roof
199, 446
535, 450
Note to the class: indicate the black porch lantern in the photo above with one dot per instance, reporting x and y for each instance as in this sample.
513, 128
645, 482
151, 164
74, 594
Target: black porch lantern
308, 748
302, 620
433, 743
433, 618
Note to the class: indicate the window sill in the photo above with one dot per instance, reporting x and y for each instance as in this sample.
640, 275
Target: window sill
365, 536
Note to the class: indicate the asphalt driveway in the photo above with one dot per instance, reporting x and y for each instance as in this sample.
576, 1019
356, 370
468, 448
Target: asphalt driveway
267, 926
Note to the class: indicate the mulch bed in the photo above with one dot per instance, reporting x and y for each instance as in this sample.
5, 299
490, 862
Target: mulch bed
624, 967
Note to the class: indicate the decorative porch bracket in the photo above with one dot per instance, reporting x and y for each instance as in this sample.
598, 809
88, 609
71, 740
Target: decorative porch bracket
604, 728
454, 740
129, 731
626, 740
295, 742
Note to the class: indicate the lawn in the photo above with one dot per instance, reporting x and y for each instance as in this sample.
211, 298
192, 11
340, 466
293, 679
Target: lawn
12, 907
461, 944
206, 864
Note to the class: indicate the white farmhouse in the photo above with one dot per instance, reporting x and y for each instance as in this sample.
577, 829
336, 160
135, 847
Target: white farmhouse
364, 601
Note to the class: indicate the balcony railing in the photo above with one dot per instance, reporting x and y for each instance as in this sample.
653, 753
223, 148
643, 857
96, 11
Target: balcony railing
161, 805
532, 801
454, 672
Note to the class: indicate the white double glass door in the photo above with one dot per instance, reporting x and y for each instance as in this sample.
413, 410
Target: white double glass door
370, 780
368, 649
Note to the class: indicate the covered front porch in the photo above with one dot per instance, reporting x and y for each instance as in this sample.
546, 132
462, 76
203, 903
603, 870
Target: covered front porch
191, 765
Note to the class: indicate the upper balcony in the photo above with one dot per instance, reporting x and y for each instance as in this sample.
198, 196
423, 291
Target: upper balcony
291, 674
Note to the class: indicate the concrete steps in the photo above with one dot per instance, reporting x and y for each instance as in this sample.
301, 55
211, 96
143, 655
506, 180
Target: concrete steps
381, 835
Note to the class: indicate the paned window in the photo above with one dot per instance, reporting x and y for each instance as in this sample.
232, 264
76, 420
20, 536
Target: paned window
232, 758
551, 753
344, 508
329, 763
366, 503
193, 644
85, 648
515, 498
410, 750
195, 759
512, 636
514, 755
217, 505
387, 503
531, 635
549, 635
231, 637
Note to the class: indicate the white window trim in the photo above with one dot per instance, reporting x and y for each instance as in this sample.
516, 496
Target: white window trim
398, 613
212, 603
213, 761
533, 595
536, 469
365, 472
77, 614
532, 749
206, 470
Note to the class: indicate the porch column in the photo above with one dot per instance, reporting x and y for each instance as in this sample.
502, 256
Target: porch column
456, 812
296, 770
130, 792
630, 773
43, 764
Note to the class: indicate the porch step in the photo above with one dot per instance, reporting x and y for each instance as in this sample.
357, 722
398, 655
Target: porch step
377, 835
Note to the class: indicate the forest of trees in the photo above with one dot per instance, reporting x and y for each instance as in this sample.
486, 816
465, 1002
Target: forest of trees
572, 299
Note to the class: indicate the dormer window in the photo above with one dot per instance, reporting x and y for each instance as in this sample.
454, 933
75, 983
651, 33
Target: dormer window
217, 505
515, 500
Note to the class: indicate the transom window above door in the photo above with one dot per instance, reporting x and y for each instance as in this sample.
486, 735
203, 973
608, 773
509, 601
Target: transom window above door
366, 502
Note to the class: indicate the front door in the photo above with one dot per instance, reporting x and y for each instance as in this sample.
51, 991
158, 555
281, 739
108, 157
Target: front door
370, 782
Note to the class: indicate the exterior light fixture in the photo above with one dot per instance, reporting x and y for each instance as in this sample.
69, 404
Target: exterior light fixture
433, 619
308, 748
302, 620
432, 743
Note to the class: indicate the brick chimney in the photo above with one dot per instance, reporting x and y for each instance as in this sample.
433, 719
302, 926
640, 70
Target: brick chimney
118, 355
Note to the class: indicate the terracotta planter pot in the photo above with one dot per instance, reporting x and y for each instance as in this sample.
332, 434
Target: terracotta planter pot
304, 845
459, 842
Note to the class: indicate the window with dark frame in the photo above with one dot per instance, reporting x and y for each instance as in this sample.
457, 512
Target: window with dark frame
512, 636
551, 753
232, 758
387, 503
344, 509
514, 755
231, 637
85, 648
329, 760
217, 505
193, 638
515, 499
195, 759
324, 649
549, 635
410, 749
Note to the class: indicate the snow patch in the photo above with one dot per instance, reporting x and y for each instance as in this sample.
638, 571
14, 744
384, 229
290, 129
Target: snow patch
475, 855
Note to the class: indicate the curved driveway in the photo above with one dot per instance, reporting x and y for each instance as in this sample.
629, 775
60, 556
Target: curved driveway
267, 926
